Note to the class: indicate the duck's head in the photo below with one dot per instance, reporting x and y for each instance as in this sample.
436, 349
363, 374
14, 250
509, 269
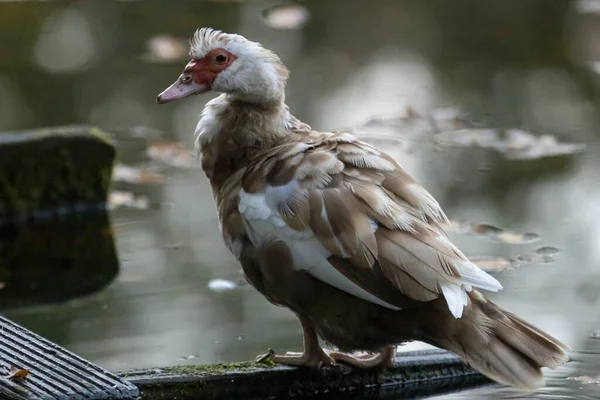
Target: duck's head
229, 63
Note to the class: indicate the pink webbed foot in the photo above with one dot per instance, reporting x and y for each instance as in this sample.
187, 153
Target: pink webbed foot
366, 361
313, 359
313, 355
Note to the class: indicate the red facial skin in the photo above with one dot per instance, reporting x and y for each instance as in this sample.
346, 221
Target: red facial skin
205, 70
198, 76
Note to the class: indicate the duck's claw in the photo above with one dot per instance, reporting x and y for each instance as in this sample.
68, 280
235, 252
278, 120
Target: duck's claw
316, 359
265, 357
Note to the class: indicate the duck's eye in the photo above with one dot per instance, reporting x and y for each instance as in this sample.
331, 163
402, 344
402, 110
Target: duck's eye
221, 59
186, 79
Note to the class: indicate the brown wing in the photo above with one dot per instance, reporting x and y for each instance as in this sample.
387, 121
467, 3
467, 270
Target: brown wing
379, 225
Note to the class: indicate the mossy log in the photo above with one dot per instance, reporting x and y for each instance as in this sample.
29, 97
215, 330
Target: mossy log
55, 240
414, 374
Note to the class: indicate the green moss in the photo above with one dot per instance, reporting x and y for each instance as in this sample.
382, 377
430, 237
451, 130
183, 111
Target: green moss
70, 131
71, 163
55, 131
11, 193
216, 369
100, 134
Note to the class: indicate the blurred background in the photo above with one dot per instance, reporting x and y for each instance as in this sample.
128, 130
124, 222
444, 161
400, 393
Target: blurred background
491, 104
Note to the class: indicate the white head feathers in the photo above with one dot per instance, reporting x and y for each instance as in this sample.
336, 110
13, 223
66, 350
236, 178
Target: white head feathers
257, 74
207, 39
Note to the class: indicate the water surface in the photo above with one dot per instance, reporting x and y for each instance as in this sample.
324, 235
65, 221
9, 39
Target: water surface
508, 65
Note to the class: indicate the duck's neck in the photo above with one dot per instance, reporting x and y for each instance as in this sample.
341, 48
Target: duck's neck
261, 84
245, 123
232, 132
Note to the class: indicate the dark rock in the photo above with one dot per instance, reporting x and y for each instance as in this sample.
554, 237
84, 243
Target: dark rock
55, 240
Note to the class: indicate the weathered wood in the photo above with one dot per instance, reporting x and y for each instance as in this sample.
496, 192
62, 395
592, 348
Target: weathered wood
414, 374
55, 241
53, 372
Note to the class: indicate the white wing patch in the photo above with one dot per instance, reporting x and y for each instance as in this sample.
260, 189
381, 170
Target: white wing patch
456, 298
471, 275
263, 223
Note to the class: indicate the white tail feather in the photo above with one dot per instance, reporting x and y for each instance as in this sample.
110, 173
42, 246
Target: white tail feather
456, 297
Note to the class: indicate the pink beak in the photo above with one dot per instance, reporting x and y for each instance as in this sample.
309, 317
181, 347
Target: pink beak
181, 89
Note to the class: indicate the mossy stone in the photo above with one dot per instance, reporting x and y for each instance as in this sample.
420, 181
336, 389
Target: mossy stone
56, 243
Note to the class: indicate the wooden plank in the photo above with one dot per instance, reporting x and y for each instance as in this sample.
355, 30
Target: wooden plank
414, 374
54, 373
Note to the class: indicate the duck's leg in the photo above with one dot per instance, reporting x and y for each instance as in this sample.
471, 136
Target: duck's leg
381, 359
312, 356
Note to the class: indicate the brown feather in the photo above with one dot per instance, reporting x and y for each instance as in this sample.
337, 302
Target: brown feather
406, 283
321, 227
351, 227
370, 280
417, 257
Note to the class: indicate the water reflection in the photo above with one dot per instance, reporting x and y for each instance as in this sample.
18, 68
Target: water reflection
50, 260
510, 65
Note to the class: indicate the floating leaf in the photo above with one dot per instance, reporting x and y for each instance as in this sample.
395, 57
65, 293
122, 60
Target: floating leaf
452, 128
122, 199
166, 49
16, 374
486, 138
542, 255
496, 264
486, 230
124, 133
510, 237
517, 238
586, 380
491, 264
515, 145
174, 154
546, 254
484, 169
538, 257
221, 285
521, 145
447, 119
500, 235
547, 251
189, 357
456, 226
285, 16
126, 173
525, 259
408, 114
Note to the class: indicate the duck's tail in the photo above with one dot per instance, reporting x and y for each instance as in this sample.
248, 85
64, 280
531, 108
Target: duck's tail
497, 343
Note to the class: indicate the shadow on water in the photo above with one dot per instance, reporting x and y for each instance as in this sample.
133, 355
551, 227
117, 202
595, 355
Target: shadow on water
517, 65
